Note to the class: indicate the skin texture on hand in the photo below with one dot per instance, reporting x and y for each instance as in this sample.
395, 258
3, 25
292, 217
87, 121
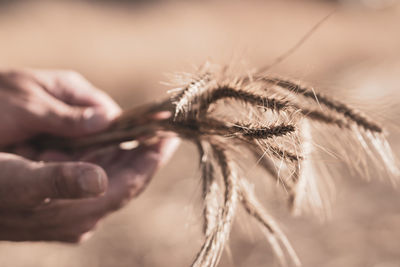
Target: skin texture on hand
54, 102
50, 195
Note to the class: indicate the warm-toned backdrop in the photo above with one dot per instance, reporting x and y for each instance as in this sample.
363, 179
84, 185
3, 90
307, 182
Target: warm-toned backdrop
127, 48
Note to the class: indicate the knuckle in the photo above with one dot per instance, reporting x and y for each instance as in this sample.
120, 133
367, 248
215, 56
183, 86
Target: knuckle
18, 80
14, 74
58, 181
71, 118
71, 75
65, 119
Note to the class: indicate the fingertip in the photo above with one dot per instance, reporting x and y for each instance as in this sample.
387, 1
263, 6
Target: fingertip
97, 119
113, 110
105, 102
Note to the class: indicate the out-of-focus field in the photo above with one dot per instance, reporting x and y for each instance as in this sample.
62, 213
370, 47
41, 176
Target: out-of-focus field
126, 49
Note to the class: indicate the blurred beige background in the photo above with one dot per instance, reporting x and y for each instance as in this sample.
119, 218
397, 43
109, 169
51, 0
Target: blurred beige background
126, 49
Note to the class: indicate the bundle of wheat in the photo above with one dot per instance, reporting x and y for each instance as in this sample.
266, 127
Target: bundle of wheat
273, 119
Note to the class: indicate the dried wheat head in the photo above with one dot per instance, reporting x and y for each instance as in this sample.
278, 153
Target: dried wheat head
274, 119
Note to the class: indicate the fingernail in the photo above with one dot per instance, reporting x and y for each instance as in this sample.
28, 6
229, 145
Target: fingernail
95, 120
93, 181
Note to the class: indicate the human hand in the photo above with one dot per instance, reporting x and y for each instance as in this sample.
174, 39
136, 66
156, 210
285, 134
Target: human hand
77, 190
61, 103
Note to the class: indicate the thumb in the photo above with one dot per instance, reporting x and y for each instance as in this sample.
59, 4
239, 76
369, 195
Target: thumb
25, 184
68, 180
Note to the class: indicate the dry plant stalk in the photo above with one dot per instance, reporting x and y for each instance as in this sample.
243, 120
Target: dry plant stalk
275, 120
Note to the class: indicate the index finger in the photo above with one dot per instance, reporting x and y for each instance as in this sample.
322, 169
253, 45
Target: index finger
73, 89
